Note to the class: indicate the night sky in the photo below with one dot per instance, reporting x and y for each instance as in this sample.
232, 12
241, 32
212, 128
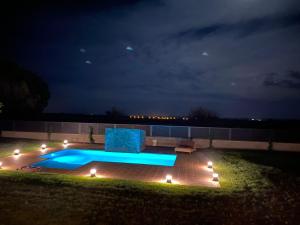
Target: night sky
239, 58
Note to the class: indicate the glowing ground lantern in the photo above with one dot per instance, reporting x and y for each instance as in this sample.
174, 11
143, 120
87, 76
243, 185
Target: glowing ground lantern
209, 164
169, 178
93, 172
215, 177
65, 143
17, 152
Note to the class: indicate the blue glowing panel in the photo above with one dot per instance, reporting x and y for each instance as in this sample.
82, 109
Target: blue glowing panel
75, 158
124, 140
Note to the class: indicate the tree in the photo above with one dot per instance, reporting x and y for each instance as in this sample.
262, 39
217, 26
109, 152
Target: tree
201, 113
114, 113
21, 91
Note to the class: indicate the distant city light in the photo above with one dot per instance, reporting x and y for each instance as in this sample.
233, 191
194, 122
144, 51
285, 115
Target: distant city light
152, 117
254, 119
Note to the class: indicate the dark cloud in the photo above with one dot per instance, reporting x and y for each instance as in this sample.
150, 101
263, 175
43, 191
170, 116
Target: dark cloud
243, 28
283, 81
294, 74
199, 33
185, 54
79, 5
265, 24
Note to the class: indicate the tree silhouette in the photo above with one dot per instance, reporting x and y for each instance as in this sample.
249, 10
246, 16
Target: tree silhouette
114, 113
1, 106
201, 113
21, 91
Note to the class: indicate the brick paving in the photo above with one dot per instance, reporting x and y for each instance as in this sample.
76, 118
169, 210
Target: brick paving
189, 169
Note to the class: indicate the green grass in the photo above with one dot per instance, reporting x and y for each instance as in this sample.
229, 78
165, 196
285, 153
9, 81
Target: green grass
237, 174
51, 179
7, 146
256, 188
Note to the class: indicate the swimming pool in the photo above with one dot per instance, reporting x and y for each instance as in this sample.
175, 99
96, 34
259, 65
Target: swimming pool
74, 158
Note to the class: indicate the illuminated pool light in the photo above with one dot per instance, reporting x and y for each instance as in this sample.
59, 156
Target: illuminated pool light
215, 177
93, 172
169, 178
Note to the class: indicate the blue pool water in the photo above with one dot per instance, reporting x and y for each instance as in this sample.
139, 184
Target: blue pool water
74, 158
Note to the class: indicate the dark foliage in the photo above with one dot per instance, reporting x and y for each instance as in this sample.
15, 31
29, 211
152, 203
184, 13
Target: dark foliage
21, 91
114, 113
201, 113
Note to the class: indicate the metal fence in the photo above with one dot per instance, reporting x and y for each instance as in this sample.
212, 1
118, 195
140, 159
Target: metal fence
240, 134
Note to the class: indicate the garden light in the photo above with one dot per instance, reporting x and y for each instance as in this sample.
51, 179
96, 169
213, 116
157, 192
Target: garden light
209, 164
1, 165
215, 177
169, 178
66, 143
43, 148
93, 172
17, 152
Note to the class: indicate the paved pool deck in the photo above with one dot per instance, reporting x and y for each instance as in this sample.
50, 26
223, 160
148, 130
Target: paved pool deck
189, 169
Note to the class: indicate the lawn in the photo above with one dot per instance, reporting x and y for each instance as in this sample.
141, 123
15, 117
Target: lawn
7, 146
256, 188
